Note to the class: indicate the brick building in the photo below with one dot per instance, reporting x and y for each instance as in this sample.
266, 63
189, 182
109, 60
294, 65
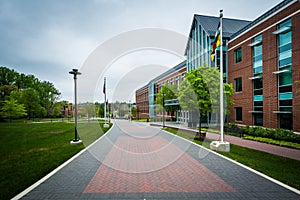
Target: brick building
146, 96
174, 76
261, 60
142, 102
263, 66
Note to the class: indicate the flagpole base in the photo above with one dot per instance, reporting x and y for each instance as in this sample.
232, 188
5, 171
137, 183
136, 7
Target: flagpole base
76, 142
106, 125
220, 146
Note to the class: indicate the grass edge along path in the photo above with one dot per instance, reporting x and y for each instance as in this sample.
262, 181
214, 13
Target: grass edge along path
292, 145
281, 143
283, 169
31, 151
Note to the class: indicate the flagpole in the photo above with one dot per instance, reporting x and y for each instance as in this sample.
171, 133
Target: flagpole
221, 79
104, 89
221, 145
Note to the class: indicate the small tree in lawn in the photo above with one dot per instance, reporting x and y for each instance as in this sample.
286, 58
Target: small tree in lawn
12, 109
200, 90
194, 94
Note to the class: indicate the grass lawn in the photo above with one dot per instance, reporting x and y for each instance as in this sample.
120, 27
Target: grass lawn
280, 168
30, 151
142, 120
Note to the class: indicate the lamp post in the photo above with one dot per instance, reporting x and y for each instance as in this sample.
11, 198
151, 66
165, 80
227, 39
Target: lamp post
163, 104
129, 110
75, 72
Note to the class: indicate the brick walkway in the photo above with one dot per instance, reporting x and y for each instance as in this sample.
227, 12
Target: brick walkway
135, 161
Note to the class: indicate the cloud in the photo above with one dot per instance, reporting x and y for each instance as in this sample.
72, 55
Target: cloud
48, 38
59, 45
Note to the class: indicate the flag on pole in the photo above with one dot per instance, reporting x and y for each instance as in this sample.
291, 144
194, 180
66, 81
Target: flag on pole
215, 43
104, 85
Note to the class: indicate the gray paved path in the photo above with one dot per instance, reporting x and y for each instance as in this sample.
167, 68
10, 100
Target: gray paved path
135, 161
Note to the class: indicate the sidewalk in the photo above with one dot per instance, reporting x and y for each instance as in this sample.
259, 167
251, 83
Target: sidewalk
136, 161
268, 148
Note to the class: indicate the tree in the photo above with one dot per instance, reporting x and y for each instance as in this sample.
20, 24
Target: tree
11, 81
200, 90
88, 109
170, 92
7, 76
100, 109
48, 96
133, 111
12, 109
57, 112
5, 90
187, 97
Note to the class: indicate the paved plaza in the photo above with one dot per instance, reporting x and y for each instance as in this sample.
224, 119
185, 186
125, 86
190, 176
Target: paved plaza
136, 161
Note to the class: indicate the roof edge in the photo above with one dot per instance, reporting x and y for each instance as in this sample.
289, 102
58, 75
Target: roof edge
262, 18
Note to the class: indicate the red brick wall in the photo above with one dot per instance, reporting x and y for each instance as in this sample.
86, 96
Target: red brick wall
244, 98
296, 70
270, 85
172, 75
142, 102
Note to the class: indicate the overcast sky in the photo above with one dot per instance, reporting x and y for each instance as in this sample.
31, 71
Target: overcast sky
47, 38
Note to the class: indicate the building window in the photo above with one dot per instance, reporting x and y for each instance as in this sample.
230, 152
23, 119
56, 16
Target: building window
182, 76
177, 82
238, 55
284, 38
258, 119
286, 121
257, 55
172, 81
238, 84
239, 114
285, 63
258, 81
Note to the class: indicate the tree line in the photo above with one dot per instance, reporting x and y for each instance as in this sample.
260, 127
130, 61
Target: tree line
26, 96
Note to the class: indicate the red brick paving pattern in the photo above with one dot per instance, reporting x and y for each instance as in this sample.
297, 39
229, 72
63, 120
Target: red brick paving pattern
148, 166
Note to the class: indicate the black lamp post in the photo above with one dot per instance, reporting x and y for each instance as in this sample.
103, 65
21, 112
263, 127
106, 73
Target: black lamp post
163, 104
129, 110
75, 72
32, 115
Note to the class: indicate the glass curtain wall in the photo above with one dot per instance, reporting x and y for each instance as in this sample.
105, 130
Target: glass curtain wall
258, 81
198, 52
285, 76
152, 96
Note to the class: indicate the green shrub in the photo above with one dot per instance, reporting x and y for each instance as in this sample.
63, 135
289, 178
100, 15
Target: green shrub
232, 125
275, 142
276, 134
246, 129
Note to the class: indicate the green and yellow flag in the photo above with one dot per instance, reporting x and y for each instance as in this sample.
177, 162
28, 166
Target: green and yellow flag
215, 43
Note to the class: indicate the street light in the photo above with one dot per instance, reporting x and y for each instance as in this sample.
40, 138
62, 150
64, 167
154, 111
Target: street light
129, 110
75, 72
163, 104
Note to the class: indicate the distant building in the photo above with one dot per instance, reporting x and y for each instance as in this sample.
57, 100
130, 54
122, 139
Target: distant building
142, 102
67, 110
173, 76
264, 65
146, 96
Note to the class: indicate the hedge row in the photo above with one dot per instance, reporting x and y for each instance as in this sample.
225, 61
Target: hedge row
276, 134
